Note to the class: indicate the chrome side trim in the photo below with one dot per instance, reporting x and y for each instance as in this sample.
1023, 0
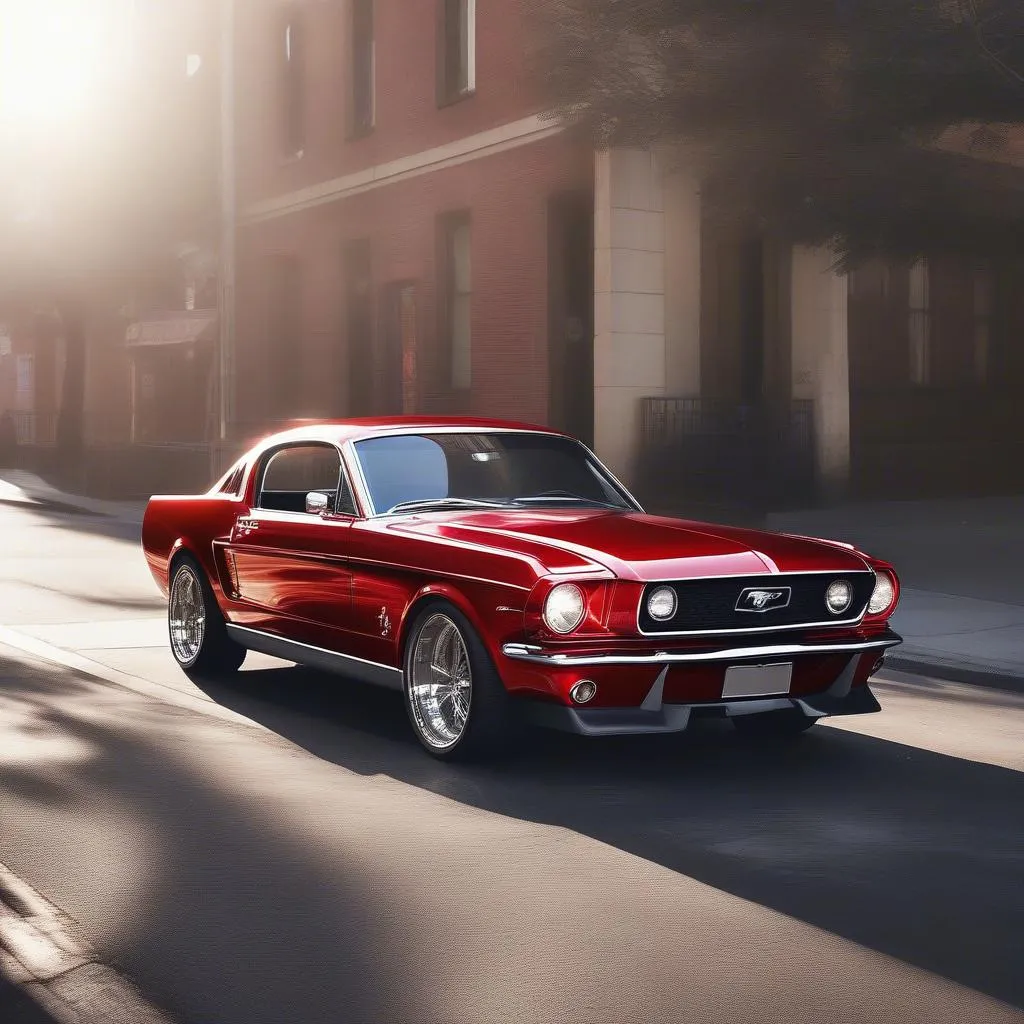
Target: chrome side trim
317, 657
537, 655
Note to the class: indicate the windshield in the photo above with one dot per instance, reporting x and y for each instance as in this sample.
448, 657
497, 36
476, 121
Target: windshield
483, 469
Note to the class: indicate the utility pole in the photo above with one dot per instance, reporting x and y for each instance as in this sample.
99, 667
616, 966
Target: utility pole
226, 347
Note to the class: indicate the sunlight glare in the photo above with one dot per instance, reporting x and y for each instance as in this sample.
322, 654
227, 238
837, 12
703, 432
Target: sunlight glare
56, 55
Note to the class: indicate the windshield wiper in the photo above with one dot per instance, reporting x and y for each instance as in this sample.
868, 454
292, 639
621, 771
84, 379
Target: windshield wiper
428, 503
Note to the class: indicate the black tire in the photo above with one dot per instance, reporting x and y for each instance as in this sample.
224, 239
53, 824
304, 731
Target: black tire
773, 726
217, 654
491, 725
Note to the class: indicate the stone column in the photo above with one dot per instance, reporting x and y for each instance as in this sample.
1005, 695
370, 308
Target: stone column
820, 361
682, 283
629, 300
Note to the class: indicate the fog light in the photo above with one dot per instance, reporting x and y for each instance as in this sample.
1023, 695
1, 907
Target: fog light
878, 664
583, 691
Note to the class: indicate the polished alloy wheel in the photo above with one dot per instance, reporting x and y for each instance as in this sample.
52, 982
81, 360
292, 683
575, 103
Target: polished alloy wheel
440, 685
187, 614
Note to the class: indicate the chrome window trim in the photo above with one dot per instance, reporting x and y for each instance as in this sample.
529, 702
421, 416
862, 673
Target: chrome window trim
372, 512
262, 464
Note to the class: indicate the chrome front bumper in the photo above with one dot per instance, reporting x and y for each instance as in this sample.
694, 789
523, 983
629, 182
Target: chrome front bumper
542, 656
655, 716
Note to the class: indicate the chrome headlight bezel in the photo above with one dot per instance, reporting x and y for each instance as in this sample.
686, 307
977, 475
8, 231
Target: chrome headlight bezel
573, 601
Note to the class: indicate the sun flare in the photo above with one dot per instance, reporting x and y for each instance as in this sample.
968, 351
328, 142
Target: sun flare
57, 55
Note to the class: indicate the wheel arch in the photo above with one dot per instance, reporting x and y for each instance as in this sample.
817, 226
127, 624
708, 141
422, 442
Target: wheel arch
185, 547
438, 593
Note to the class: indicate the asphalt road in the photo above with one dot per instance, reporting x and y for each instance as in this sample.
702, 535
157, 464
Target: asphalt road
279, 850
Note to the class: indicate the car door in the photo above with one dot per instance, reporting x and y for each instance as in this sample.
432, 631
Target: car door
290, 563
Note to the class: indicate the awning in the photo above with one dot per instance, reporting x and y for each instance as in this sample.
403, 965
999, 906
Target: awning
174, 328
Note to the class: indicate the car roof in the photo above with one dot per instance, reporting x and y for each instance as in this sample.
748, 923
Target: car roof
339, 431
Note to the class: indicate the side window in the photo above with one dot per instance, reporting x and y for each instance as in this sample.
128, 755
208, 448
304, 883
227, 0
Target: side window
290, 474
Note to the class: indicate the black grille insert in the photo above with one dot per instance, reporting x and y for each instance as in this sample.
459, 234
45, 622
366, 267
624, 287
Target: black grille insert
710, 605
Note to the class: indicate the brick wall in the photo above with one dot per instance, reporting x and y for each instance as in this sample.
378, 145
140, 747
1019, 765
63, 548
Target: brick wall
408, 118
507, 197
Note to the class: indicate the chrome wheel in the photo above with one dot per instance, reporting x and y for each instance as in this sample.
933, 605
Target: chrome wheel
187, 615
440, 682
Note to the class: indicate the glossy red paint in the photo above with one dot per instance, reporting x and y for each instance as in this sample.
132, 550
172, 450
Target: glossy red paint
352, 584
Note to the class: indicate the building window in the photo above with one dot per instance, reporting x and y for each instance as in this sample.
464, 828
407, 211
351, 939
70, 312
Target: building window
458, 49
458, 305
293, 94
284, 334
984, 307
361, 115
920, 324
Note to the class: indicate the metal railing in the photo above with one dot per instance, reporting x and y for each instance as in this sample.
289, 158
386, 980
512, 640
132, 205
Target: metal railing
698, 449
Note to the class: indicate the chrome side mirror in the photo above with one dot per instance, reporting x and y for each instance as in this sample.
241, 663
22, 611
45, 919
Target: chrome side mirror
317, 503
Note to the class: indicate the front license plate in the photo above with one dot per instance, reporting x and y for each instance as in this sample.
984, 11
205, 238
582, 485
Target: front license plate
757, 680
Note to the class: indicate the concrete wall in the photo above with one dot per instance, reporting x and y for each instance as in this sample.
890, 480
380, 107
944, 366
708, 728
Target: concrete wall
682, 282
820, 359
629, 299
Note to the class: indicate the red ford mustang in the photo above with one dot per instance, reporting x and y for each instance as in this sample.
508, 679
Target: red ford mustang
494, 572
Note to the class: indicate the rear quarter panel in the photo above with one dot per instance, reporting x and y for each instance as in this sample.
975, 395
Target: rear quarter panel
172, 523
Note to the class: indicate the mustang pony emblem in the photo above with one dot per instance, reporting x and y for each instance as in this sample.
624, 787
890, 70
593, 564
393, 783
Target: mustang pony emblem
754, 600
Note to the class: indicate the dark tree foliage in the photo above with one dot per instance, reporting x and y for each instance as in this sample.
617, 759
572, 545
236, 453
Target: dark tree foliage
827, 120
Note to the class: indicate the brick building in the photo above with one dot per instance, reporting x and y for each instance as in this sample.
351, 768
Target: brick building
413, 236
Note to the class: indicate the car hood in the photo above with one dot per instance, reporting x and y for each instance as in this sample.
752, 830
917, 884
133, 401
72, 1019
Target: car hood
633, 545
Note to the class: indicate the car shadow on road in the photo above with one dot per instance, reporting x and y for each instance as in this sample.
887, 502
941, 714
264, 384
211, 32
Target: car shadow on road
908, 852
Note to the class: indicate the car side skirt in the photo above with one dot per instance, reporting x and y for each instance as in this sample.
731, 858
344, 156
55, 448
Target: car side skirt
317, 657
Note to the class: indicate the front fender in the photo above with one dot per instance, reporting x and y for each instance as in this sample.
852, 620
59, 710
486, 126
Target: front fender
483, 608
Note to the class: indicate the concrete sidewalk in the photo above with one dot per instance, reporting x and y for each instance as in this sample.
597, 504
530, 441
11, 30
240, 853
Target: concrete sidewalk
961, 563
17, 485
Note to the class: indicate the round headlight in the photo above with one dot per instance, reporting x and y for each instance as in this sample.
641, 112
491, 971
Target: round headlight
839, 596
564, 608
882, 595
661, 605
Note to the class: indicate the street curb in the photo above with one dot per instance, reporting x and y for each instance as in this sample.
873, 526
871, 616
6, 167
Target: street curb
957, 673
42, 952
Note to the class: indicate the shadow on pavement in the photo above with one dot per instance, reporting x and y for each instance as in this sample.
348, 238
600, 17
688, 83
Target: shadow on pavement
908, 852
68, 518
256, 919
18, 1007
